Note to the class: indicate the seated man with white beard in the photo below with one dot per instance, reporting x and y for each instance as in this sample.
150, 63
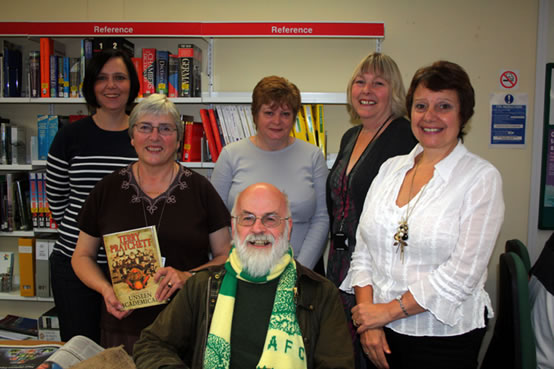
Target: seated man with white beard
262, 309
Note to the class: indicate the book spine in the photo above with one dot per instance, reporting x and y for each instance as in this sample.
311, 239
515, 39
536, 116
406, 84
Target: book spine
197, 71
42, 129
10, 201
5, 87
223, 125
6, 271
1, 75
26, 248
216, 131
162, 71
173, 77
46, 46
34, 70
60, 76
65, 75
5, 144
40, 195
137, 62
320, 124
185, 55
74, 77
187, 142
209, 134
310, 125
3, 203
53, 76
13, 68
53, 124
148, 71
24, 204
86, 55
34, 198
42, 276
17, 141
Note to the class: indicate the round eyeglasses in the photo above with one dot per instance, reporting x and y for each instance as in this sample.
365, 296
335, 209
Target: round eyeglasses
164, 129
268, 220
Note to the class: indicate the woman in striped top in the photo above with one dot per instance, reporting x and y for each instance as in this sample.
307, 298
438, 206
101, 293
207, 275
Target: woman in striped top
81, 154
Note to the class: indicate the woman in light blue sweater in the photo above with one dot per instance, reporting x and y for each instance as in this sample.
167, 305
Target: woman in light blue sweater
274, 156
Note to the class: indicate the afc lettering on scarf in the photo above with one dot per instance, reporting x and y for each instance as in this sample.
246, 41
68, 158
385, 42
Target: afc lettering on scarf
285, 346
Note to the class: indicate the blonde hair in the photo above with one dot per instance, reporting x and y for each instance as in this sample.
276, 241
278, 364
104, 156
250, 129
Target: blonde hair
383, 66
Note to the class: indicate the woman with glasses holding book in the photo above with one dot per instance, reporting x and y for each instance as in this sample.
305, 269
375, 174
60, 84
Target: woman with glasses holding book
274, 156
190, 219
81, 154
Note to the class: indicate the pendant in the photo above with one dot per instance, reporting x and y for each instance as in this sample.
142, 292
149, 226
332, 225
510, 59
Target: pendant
401, 238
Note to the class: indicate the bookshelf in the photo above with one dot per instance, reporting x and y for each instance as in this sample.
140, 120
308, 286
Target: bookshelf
217, 41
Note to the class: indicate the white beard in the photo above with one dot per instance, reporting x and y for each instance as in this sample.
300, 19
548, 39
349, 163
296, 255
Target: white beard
259, 261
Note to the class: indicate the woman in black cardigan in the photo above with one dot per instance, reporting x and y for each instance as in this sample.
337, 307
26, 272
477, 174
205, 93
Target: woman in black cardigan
376, 98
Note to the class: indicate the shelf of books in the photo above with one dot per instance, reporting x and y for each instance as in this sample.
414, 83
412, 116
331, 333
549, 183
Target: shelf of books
15, 296
43, 66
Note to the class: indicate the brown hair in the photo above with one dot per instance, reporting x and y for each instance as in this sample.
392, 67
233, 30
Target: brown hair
445, 75
275, 91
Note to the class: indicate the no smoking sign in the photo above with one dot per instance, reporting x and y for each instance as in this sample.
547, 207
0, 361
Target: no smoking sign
509, 79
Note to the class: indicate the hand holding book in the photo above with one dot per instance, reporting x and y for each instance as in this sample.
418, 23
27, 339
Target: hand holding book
169, 280
113, 305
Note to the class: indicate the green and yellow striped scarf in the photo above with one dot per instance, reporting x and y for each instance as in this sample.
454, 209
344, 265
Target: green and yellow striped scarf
283, 347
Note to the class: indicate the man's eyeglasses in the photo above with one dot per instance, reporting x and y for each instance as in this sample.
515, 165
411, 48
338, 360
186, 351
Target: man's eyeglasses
268, 220
163, 129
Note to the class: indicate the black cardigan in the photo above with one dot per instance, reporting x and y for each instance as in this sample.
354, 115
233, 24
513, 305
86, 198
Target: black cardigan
396, 139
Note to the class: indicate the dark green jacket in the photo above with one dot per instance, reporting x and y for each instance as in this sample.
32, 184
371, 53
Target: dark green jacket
177, 337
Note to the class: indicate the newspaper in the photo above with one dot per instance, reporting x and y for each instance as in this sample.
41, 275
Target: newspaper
77, 349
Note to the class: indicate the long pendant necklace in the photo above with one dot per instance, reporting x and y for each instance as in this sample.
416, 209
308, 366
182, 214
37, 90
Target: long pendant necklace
165, 195
401, 235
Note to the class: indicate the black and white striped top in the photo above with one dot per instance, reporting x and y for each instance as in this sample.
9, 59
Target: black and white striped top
81, 155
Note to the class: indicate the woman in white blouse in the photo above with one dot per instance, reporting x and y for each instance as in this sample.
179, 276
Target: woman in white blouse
428, 228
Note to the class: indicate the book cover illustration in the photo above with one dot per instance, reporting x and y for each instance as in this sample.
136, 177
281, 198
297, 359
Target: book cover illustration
14, 323
25, 356
133, 259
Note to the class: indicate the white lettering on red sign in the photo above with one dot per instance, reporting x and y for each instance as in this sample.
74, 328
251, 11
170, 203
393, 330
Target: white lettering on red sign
292, 30
119, 30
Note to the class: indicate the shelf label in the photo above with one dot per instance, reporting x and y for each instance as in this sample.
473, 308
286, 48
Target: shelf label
195, 29
296, 29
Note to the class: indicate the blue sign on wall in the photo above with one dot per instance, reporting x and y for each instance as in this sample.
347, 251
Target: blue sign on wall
508, 119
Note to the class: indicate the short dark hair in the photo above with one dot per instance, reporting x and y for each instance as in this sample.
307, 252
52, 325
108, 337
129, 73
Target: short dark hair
445, 75
94, 67
276, 91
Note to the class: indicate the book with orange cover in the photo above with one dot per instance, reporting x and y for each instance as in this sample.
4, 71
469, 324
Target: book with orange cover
137, 62
215, 130
26, 248
46, 49
133, 259
206, 123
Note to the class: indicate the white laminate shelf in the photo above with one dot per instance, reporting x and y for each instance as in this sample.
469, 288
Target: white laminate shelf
207, 98
32, 233
36, 164
15, 296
